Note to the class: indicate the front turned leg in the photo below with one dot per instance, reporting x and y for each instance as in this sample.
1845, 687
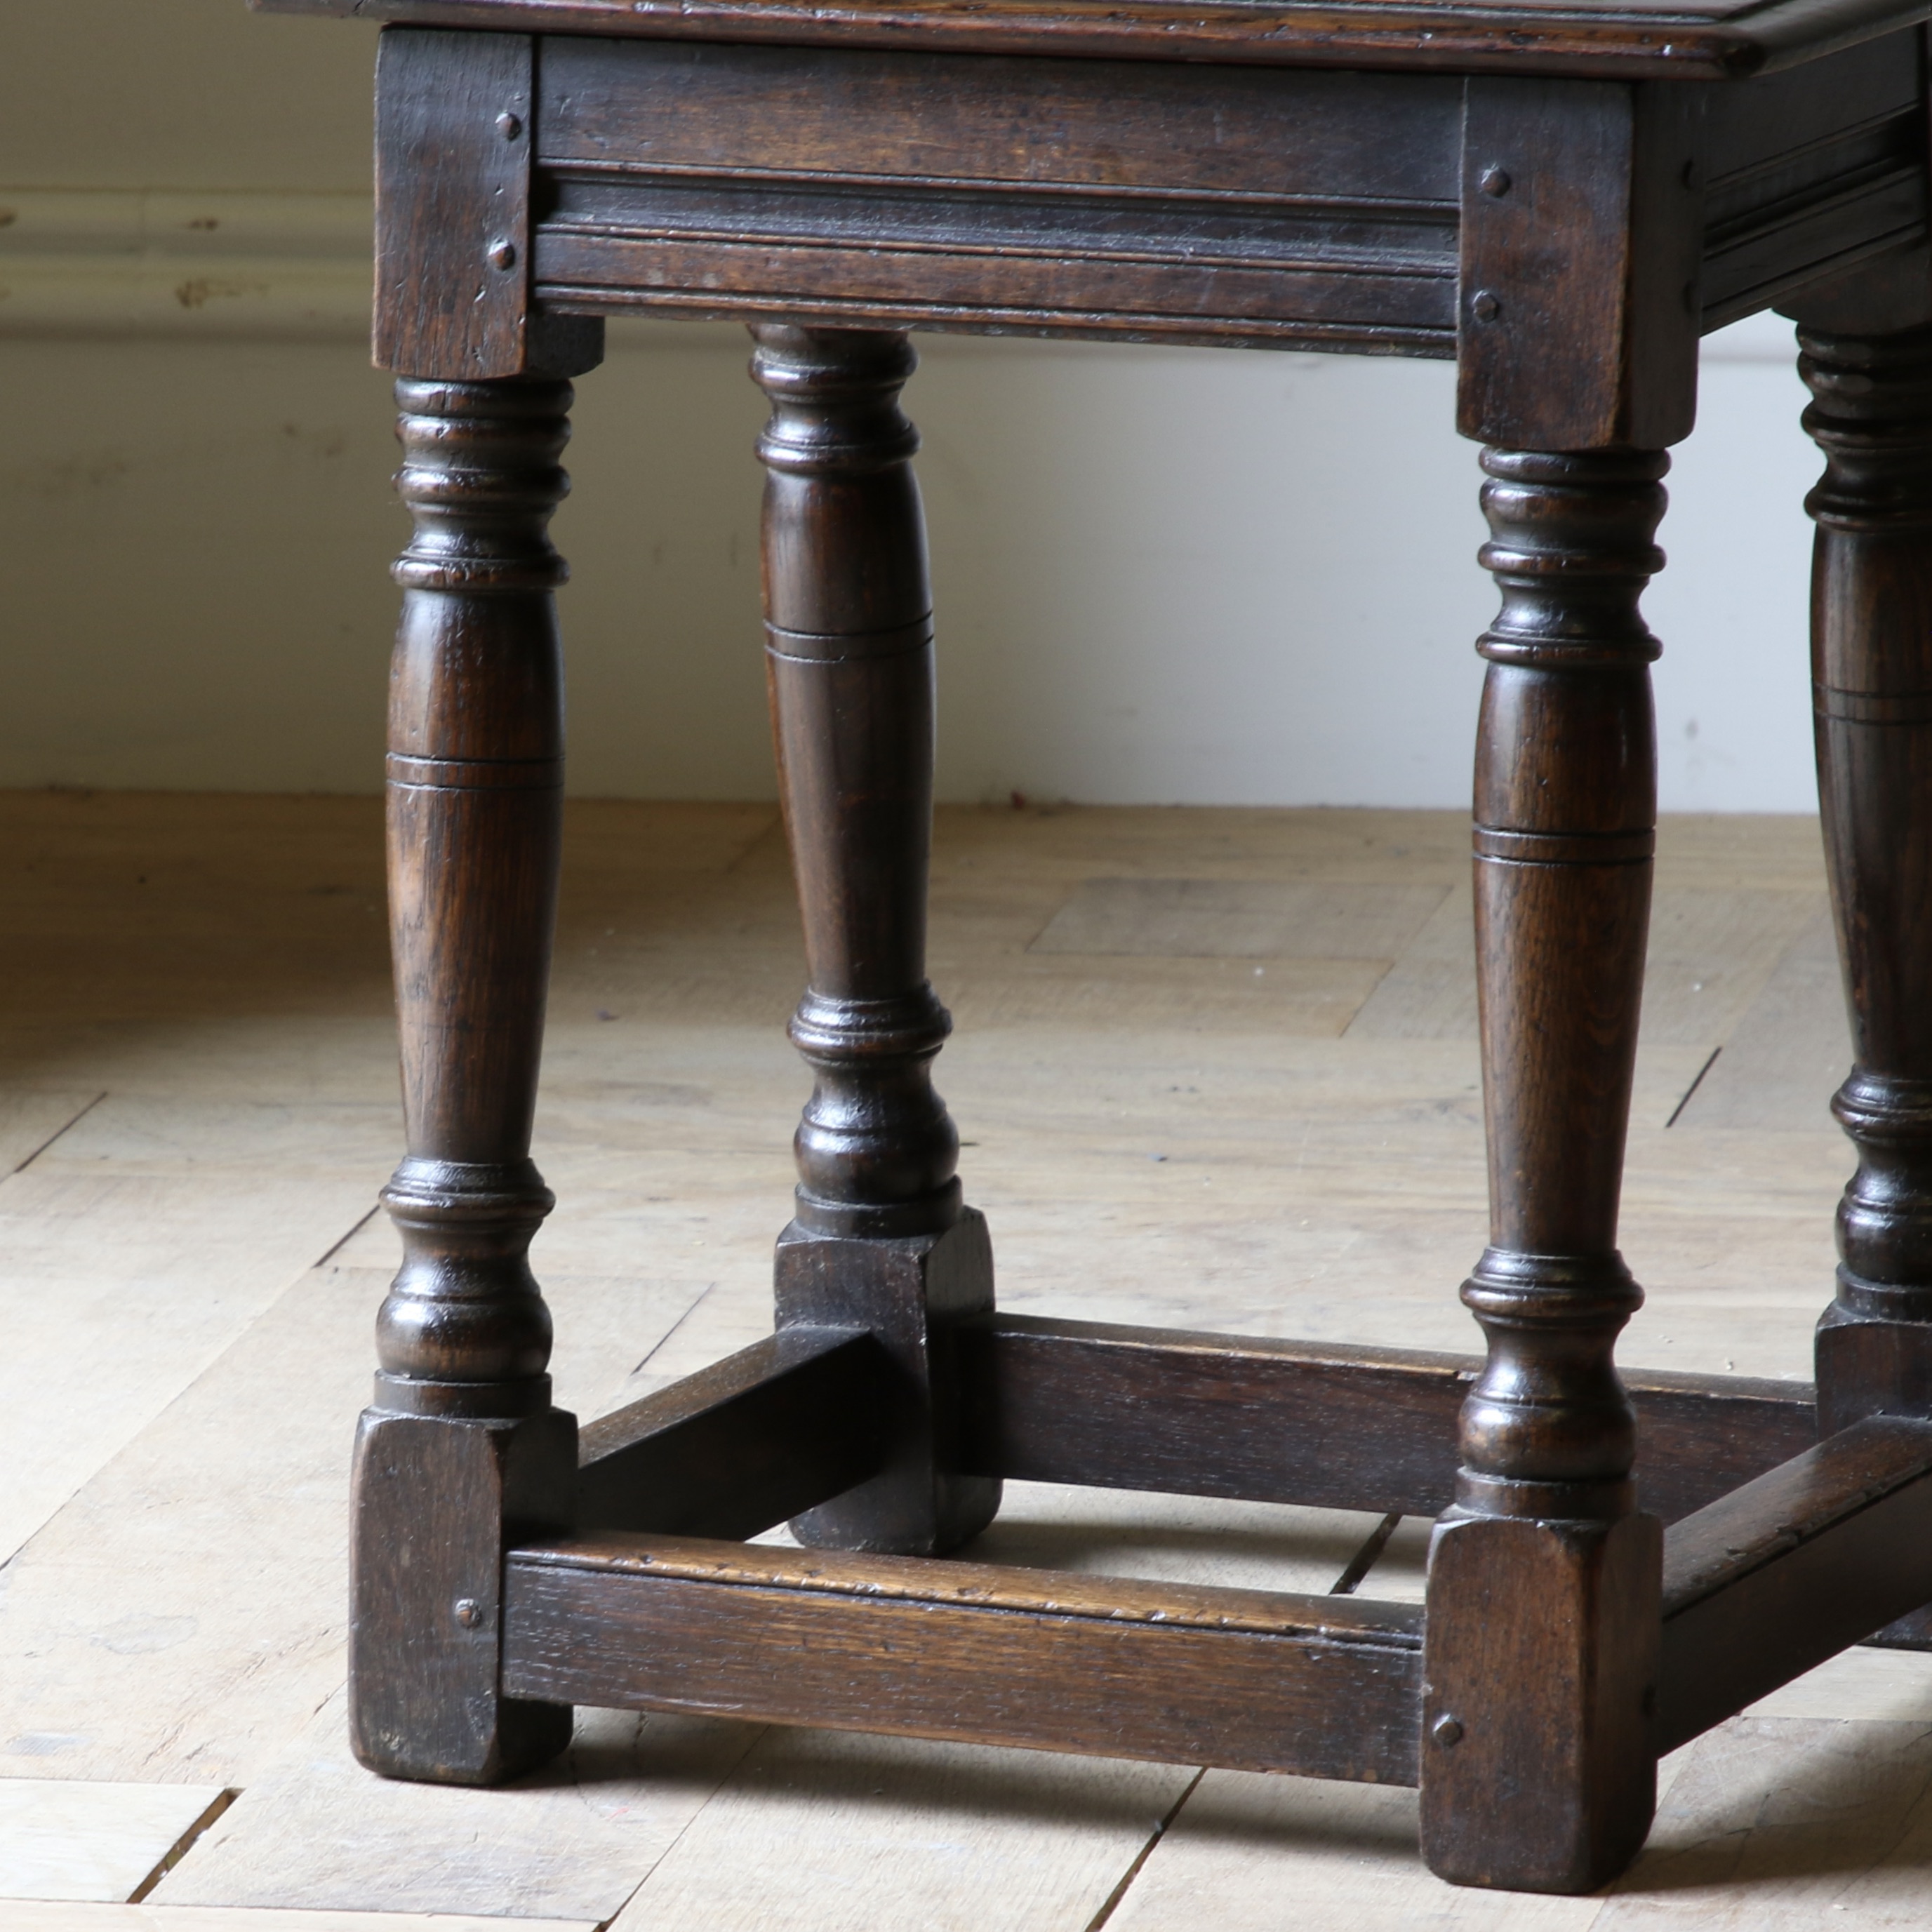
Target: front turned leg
879, 1239
461, 1451
1872, 701
1543, 1616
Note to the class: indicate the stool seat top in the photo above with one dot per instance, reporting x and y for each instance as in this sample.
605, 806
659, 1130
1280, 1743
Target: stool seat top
1686, 40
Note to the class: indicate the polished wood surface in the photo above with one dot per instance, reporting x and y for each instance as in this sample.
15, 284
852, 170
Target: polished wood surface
461, 1447
848, 655
1197, 204
1258, 1681
1565, 241
1054, 1401
879, 1239
1543, 1574
453, 143
1705, 39
1783, 1573
1500, 190
1873, 691
768, 1433
1565, 817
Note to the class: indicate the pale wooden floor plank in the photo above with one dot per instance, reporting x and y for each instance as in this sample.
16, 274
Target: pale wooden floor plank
1784, 1059
126, 1282
315, 1831
818, 1832
1774, 1824
1250, 1853
32, 1119
60, 1839
1240, 919
182, 1616
1192, 1539
41, 1917
1185, 1140
1430, 993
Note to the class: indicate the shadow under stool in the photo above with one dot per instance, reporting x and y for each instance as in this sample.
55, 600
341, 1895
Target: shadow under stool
1561, 197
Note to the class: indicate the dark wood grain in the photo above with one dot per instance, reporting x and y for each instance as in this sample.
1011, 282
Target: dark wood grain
1543, 1583
1886, 296
436, 1498
1322, 1425
1699, 40
909, 1292
1810, 172
454, 115
1322, 1686
1085, 197
765, 1434
1538, 1773
1397, 305
1578, 315
476, 779
1786, 1571
848, 625
1565, 808
475, 775
879, 1240
1872, 665
1103, 129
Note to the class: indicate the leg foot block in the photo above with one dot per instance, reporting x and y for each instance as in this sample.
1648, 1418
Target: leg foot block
907, 1291
436, 1499
1540, 1664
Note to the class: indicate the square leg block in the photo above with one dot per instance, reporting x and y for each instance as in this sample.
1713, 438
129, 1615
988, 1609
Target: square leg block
437, 1500
907, 1292
1540, 1671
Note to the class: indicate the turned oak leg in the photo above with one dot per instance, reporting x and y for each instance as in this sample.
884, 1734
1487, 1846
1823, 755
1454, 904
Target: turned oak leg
879, 1239
461, 1448
1544, 1607
1872, 689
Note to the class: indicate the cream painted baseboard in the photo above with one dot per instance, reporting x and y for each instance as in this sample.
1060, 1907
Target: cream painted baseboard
103, 263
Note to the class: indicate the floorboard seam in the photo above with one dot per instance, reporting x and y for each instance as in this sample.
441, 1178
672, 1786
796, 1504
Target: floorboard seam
1146, 1851
657, 1347
757, 1738
182, 1846
375, 1208
1365, 1558
1690, 1092
22, 1167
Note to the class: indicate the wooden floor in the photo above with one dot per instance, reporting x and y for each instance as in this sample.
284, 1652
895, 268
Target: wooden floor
1213, 1069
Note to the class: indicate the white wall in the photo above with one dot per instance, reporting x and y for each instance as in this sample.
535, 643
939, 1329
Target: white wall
1164, 575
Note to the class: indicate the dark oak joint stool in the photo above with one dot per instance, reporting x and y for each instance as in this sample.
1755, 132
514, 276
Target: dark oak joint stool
1562, 200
